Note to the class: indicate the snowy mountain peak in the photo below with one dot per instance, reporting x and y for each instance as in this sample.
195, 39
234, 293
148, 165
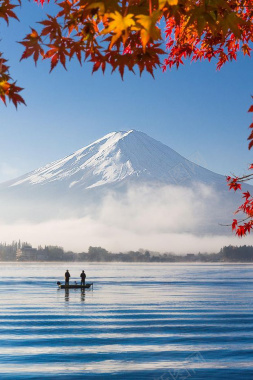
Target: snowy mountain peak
117, 157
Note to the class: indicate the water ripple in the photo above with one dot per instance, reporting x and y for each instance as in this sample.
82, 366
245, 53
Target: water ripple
141, 321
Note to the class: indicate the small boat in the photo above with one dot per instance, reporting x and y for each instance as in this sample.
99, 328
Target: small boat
74, 286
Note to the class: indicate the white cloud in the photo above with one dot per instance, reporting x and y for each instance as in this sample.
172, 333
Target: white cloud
168, 219
79, 234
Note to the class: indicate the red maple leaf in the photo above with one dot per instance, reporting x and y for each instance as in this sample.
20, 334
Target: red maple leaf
32, 43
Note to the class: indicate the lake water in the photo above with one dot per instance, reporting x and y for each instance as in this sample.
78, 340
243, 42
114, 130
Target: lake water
141, 321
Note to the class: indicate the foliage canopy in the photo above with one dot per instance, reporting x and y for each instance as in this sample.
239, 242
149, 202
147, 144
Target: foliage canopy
133, 34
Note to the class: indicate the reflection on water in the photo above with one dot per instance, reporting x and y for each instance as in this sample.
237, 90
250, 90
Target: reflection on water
82, 294
67, 295
142, 321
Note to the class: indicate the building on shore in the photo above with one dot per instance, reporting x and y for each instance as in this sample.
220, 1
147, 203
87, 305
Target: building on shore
27, 253
190, 257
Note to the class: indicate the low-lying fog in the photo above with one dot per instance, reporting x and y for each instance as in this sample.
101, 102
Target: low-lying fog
169, 219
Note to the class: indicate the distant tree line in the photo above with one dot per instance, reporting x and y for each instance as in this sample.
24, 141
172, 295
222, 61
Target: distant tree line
8, 251
22, 251
235, 254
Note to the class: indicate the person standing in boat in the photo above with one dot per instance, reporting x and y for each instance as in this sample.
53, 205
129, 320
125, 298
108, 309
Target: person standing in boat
83, 277
67, 276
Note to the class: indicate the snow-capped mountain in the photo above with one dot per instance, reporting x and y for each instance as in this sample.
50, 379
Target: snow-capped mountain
79, 184
117, 158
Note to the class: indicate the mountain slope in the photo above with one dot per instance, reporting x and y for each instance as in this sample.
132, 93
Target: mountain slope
116, 158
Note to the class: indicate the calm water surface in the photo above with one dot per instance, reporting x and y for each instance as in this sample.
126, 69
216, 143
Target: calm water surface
141, 321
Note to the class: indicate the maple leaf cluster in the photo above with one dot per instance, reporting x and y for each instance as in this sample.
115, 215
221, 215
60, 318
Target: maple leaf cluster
129, 34
8, 88
243, 226
137, 33
209, 29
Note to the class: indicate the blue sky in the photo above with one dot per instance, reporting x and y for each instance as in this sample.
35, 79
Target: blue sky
199, 112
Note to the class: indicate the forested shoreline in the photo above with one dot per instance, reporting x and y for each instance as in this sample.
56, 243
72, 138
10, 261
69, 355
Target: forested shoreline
22, 251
